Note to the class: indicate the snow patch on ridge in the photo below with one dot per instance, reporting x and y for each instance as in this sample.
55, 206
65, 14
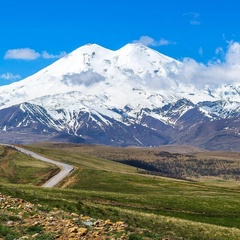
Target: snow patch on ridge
95, 80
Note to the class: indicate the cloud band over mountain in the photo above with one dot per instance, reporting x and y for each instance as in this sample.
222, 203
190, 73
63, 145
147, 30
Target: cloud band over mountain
30, 54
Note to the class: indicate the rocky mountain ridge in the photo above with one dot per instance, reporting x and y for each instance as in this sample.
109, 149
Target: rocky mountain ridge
127, 97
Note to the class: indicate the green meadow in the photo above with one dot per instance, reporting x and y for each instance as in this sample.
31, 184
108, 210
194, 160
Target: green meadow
154, 206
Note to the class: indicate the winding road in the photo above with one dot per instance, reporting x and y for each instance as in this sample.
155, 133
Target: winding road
65, 168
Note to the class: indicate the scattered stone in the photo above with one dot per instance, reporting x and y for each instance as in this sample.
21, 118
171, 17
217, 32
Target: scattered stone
108, 222
73, 230
74, 215
10, 223
35, 235
88, 223
82, 231
62, 224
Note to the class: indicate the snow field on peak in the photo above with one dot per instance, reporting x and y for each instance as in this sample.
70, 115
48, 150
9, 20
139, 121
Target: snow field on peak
91, 69
93, 78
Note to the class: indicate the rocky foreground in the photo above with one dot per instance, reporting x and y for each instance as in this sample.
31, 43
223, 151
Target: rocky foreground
23, 220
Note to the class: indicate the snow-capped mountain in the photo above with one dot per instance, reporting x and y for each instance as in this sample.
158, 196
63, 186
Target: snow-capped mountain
131, 96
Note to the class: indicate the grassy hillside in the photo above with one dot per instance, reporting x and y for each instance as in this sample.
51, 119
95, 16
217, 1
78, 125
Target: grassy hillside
16, 167
154, 206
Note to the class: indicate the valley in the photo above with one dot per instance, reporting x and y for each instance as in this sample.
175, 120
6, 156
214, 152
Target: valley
119, 120
153, 206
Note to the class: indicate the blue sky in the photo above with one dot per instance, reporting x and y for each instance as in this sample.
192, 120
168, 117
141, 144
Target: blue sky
34, 34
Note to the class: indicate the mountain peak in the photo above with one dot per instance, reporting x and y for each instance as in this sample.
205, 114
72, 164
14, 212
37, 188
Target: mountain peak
93, 69
130, 96
89, 49
144, 51
136, 46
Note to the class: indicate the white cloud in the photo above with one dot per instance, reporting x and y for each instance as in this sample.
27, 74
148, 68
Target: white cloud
219, 50
9, 76
30, 54
47, 55
148, 41
22, 53
163, 42
194, 22
233, 54
192, 14
193, 18
84, 78
219, 71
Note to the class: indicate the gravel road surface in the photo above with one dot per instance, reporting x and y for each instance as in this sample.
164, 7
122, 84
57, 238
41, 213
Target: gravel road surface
65, 168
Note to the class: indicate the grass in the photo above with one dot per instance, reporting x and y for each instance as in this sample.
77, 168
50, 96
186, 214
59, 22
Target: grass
16, 167
151, 224
7, 233
124, 207
157, 206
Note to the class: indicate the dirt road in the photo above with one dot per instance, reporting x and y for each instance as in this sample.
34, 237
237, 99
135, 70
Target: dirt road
65, 168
